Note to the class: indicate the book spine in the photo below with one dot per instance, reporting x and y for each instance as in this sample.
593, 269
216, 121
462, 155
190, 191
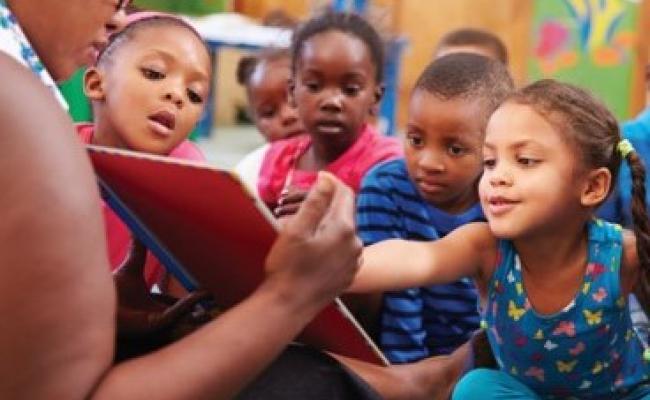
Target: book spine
146, 237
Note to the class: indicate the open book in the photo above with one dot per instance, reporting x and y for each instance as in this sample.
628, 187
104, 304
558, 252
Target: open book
209, 231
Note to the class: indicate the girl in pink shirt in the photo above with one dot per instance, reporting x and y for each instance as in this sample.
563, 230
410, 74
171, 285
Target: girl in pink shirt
336, 83
148, 90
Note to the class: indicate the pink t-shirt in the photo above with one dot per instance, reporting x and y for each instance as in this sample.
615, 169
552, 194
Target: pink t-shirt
279, 162
117, 234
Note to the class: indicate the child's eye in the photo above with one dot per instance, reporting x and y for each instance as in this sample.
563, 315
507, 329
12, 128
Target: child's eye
527, 162
152, 74
456, 150
194, 97
415, 141
351, 90
312, 86
267, 112
489, 163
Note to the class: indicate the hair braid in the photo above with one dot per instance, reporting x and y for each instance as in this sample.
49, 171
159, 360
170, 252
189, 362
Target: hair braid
641, 226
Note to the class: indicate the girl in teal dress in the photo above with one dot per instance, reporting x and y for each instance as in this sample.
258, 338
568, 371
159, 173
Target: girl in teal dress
553, 281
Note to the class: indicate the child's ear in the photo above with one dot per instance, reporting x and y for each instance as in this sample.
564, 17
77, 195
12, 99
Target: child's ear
596, 187
291, 91
94, 84
379, 93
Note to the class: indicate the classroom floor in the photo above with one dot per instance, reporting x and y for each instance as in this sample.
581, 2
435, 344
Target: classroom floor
228, 144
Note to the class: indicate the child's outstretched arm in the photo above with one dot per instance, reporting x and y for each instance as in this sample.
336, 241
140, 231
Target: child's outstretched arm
469, 251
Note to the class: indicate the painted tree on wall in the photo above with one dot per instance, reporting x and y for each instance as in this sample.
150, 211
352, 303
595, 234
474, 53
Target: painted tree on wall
590, 43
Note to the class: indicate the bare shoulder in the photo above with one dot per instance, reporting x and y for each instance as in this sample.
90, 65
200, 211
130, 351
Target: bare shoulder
478, 237
629, 262
630, 255
477, 232
39, 141
54, 267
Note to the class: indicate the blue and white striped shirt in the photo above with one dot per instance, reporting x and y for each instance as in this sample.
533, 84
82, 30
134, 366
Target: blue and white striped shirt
419, 322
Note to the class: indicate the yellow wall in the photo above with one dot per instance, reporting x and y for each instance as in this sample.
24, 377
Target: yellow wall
423, 22
259, 8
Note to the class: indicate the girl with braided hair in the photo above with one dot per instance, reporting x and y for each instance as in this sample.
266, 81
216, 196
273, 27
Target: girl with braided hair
553, 280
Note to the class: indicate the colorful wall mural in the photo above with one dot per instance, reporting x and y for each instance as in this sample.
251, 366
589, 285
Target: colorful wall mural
590, 43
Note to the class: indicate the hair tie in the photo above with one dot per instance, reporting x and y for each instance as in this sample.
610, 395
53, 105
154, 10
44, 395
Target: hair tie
624, 147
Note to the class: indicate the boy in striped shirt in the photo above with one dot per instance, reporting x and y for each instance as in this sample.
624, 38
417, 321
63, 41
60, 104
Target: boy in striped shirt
430, 192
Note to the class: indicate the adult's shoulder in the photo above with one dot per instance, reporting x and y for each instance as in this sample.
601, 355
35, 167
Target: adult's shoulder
52, 240
30, 110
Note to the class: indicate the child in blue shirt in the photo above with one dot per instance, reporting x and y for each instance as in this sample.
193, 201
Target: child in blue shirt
429, 193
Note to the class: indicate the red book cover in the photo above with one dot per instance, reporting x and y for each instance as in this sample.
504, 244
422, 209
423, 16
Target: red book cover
208, 230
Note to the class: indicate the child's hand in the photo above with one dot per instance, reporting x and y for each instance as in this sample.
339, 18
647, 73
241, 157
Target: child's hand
129, 279
137, 322
138, 312
317, 253
290, 202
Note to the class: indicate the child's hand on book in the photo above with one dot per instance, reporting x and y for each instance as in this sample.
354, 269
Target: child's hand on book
317, 253
289, 203
138, 312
